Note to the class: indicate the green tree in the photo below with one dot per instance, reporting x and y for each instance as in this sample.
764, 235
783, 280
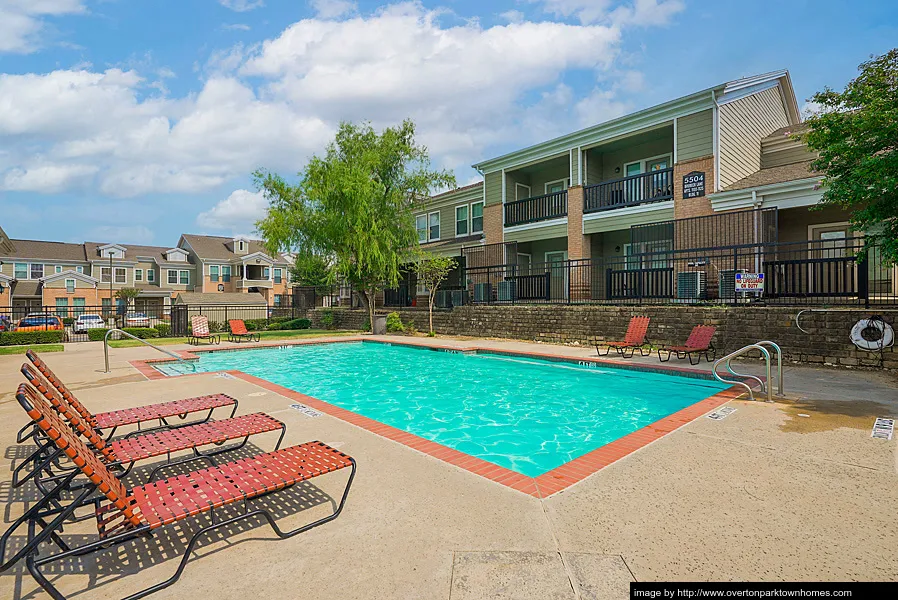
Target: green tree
313, 270
355, 205
855, 133
127, 295
432, 271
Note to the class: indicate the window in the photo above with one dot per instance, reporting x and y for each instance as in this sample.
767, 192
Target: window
553, 187
62, 307
213, 273
184, 277
21, 271
521, 191
278, 275
107, 306
151, 275
477, 217
461, 220
105, 274
172, 276
69, 286
37, 271
277, 299
121, 275
434, 220
138, 274
78, 304
421, 227
633, 169
226, 273
59, 268
241, 246
266, 273
79, 269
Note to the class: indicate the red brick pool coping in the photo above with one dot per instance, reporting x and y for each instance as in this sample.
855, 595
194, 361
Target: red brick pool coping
542, 486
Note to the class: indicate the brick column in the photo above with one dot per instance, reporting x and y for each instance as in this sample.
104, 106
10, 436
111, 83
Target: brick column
693, 207
493, 220
578, 245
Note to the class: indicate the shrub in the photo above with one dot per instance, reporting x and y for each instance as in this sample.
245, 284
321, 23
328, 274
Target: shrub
96, 335
394, 323
328, 318
280, 319
215, 326
142, 332
273, 327
164, 329
256, 324
19, 338
68, 321
366, 324
296, 324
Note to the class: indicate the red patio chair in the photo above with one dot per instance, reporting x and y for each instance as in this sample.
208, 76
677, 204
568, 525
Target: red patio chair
124, 514
140, 414
698, 343
199, 330
125, 452
635, 339
239, 332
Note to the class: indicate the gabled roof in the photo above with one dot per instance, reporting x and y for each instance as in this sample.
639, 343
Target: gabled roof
70, 274
49, 251
26, 288
6, 245
214, 247
791, 172
157, 253
653, 116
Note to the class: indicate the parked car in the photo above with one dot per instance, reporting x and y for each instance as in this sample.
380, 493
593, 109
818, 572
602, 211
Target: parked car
40, 323
5, 324
137, 320
85, 322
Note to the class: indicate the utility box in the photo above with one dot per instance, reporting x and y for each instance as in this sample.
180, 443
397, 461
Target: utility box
380, 324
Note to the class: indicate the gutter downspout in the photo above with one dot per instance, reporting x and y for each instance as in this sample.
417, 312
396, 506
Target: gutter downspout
716, 125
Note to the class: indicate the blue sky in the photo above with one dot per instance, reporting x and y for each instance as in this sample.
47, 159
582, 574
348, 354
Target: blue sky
137, 120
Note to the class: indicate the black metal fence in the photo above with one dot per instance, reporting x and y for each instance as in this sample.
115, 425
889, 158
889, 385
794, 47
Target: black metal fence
634, 190
537, 208
811, 272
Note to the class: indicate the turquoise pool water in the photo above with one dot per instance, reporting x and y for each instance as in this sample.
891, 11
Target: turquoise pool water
526, 415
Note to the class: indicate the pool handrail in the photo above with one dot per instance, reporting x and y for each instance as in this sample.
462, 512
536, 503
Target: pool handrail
141, 340
765, 384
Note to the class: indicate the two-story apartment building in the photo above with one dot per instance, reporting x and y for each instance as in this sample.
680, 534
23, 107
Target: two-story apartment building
687, 165
67, 277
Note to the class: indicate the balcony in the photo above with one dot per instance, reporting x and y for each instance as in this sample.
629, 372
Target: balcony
257, 283
635, 190
536, 209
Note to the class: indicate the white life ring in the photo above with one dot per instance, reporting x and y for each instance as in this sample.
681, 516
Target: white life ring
886, 335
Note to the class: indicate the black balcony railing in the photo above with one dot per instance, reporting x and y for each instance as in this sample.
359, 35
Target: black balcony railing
629, 191
538, 208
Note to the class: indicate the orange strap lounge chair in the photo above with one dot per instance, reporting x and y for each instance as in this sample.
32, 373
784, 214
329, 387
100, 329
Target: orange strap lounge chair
199, 330
698, 343
125, 452
635, 339
124, 514
138, 415
239, 332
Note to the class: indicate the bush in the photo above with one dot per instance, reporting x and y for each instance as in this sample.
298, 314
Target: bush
366, 324
19, 338
96, 335
142, 332
216, 327
164, 329
68, 321
296, 324
256, 324
328, 318
394, 323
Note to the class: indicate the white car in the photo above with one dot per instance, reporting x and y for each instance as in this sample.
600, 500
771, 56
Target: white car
85, 322
137, 320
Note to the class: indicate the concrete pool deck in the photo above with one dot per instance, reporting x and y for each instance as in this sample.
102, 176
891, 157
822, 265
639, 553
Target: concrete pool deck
764, 494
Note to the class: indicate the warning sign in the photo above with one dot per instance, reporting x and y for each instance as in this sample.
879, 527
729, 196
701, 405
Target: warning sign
749, 282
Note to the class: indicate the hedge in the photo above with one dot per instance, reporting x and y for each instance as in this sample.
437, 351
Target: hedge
96, 335
290, 325
142, 332
19, 338
164, 329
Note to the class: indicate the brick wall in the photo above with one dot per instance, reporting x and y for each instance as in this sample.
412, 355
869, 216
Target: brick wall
493, 223
827, 341
693, 207
577, 243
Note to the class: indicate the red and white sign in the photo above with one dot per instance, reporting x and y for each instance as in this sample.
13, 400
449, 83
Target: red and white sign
749, 282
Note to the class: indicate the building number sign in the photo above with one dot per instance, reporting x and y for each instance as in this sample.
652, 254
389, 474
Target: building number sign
694, 184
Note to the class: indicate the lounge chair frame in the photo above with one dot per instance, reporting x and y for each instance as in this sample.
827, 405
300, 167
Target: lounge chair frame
695, 346
635, 339
45, 519
202, 332
242, 335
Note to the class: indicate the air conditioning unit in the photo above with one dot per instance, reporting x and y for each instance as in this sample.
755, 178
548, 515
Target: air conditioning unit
691, 285
443, 299
483, 292
726, 285
507, 291
459, 297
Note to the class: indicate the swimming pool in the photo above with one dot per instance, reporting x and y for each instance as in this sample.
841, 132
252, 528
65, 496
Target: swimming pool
524, 414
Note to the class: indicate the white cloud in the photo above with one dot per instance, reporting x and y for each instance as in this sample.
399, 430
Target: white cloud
237, 212
134, 234
242, 5
236, 27
637, 12
272, 105
22, 22
331, 9
513, 16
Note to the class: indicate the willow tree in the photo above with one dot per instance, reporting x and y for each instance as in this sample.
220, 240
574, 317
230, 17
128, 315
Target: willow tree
355, 205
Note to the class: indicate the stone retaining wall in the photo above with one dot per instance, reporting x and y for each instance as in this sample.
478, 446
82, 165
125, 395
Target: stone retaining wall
827, 342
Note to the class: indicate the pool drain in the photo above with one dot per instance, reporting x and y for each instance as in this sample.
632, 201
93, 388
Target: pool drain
883, 429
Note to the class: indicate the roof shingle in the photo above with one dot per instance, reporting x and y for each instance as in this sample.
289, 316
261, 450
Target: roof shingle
769, 176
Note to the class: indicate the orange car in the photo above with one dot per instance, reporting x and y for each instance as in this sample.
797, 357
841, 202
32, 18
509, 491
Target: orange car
40, 323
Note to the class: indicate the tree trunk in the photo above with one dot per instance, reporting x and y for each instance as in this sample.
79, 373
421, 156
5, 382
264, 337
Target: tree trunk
430, 307
370, 296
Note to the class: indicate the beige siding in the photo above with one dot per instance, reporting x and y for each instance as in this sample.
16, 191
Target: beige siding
786, 156
60, 283
540, 177
575, 166
537, 248
743, 123
537, 233
511, 180
594, 163
793, 222
695, 135
617, 159
493, 183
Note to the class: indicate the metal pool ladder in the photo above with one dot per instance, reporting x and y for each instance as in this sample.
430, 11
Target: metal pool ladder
766, 385
142, 341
